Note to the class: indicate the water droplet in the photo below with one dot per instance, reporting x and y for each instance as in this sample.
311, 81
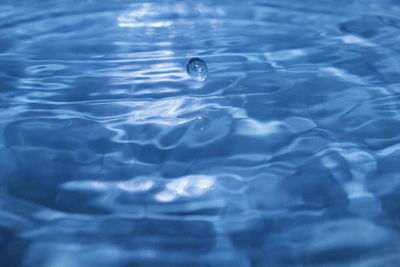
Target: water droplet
197, 69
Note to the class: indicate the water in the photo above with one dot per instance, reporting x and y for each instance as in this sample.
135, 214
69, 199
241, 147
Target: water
197, 69
286, 155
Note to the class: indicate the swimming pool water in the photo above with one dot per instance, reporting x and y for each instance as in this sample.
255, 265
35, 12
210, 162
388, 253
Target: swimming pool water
286, 155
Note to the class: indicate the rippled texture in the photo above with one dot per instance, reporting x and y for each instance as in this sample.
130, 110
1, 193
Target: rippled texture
287, 155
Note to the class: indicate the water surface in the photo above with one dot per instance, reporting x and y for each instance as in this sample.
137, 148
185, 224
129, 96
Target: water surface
286, 155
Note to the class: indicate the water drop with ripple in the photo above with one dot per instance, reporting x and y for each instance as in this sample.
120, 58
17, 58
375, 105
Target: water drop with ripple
197, 69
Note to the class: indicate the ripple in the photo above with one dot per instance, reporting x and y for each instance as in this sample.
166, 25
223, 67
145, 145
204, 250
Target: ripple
47, 70
111, 155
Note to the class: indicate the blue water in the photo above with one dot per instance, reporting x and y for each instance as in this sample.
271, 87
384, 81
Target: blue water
288, 154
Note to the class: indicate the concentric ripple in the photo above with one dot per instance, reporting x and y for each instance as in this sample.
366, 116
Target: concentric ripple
286, 155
